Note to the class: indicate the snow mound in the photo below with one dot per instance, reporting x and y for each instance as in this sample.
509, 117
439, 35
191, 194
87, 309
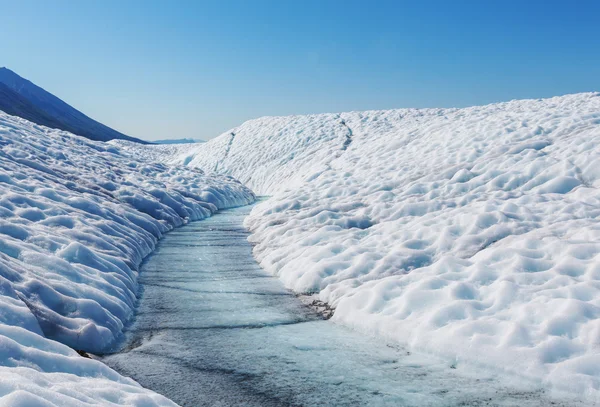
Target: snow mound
473, 233
76, 219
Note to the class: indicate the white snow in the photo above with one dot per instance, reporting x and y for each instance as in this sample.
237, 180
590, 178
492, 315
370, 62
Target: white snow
472, 233
76, 219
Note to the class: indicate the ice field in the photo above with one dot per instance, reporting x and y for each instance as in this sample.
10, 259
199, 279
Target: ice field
467, 237
76, 219
214, 329
469, 233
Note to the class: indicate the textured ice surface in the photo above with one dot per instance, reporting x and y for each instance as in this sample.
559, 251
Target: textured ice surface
213, 329
473, 232
76, 219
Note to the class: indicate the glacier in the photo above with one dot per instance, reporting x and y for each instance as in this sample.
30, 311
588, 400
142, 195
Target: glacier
77, 218
469, 233
223, 332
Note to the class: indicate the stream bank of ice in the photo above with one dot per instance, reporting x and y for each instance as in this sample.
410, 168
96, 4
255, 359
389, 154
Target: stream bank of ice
76, 219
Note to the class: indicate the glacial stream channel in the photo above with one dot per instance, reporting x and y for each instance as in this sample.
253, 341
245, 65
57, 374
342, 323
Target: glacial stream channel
213, 329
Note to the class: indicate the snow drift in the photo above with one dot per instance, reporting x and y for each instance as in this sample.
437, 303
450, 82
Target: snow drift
473, 233
76, 219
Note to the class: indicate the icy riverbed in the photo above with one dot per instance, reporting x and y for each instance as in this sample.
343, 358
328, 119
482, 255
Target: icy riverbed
213, 329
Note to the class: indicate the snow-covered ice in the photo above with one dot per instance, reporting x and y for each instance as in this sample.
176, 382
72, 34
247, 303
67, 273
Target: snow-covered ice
76, 219
472, 233
223, 332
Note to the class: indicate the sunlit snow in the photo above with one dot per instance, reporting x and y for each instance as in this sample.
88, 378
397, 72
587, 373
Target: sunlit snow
214, 329
76, 219
472, 233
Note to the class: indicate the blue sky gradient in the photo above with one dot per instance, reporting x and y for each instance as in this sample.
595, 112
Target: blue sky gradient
162, 69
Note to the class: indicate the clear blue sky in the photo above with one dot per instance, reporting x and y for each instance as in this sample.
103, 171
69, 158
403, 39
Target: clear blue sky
174, 69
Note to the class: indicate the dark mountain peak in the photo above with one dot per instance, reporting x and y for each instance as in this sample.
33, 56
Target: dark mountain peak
11, 78
42, 107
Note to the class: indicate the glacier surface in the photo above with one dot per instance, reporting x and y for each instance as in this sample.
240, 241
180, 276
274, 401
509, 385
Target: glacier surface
472, 233
76, 219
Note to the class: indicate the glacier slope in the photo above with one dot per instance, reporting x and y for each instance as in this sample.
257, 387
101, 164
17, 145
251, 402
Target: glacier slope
472, 233
76, 219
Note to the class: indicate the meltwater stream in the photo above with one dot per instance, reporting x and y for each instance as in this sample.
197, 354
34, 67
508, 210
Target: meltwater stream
213, 329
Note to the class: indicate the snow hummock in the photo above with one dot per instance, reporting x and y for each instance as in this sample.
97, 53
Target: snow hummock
76, 219
472, 233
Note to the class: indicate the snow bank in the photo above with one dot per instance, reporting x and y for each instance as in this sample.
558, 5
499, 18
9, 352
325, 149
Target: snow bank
473, 233
76, 219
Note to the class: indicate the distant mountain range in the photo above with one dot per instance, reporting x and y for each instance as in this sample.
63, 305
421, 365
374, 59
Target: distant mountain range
178, 141
20, 97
